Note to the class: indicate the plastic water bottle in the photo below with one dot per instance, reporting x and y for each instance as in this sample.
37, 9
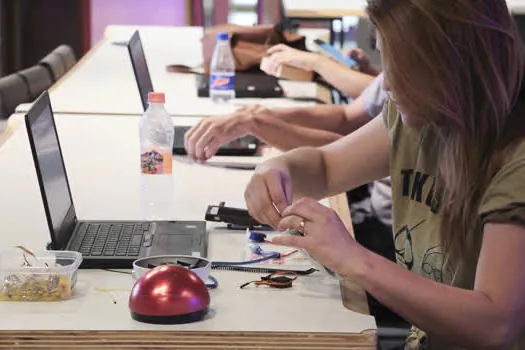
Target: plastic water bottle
222, 71
156, 146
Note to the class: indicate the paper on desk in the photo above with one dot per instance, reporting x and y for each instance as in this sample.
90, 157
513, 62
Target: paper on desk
294, 89
294, 262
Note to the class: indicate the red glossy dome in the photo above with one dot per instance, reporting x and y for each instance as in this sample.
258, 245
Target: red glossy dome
169, 294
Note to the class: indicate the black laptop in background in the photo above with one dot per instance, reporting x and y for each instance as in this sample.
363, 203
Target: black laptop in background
103, 244
244, 146
140, 68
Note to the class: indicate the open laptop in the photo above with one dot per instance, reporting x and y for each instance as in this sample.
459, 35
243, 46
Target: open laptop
244, 146
103, 244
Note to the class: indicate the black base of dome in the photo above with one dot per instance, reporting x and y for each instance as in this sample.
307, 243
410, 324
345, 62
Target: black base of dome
178, 319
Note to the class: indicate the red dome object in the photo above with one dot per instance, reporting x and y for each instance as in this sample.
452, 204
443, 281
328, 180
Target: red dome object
168, 295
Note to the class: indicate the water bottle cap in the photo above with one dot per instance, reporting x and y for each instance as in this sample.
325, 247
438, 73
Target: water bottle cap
222, 36
156, 97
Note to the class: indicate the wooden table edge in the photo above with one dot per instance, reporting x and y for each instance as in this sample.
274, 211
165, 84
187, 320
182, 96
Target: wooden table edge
136, 339
325, 13
353, 295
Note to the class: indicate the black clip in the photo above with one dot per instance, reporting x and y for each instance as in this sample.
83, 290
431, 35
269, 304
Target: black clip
280, 279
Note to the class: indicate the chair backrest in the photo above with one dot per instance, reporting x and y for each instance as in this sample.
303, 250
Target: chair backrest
68, 56
520, 22
364, 34
37, 79
55, 66
13, 91
365, 37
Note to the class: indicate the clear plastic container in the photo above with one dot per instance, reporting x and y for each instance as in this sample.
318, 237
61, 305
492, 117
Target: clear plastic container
46, 276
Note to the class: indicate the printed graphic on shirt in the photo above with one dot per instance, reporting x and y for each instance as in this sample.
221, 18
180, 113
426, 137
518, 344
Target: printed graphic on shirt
404, 248
433, 265
421, 188
413, 184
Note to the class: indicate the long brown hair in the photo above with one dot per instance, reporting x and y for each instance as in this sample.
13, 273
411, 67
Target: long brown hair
456, 65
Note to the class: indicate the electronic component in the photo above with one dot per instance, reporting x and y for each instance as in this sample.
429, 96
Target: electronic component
235, 217
255, 236
280, 279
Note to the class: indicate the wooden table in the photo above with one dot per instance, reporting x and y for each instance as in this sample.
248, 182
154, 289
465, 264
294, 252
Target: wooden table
310, 313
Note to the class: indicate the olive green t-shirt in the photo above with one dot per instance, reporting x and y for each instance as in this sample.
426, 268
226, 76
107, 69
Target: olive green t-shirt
416, 217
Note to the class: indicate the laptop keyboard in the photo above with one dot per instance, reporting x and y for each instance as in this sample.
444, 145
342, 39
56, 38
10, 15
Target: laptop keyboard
112, 239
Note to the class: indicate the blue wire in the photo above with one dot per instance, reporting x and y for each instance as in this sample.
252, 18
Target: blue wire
214, 283
236, 263
256, 249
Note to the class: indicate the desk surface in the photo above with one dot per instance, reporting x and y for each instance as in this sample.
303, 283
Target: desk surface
339, 8
103, 81
106, 187
516, 6
324, 9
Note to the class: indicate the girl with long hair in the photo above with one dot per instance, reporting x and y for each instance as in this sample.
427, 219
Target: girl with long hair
452, 138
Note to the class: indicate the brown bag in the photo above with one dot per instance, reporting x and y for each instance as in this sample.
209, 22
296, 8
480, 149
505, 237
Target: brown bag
249, 44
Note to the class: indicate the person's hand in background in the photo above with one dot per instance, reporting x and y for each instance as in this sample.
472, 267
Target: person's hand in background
281, 54
363, 61
204, 139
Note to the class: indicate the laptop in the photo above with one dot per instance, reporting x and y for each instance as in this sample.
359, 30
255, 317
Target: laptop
244, 146
103, 244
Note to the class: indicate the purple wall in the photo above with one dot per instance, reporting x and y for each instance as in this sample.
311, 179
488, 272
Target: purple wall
222, 7
139, 12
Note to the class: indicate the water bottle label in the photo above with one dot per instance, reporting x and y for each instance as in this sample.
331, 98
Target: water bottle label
221, 82
156, 163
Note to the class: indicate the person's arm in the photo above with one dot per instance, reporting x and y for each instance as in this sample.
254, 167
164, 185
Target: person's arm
284, 129
356, 159
335, 118
348, 81
285, 136
353, 160
488, 317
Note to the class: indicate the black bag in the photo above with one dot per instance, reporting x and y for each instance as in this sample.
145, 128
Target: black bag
247, 84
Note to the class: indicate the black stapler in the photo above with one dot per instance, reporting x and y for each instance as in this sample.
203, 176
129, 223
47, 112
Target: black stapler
237, 219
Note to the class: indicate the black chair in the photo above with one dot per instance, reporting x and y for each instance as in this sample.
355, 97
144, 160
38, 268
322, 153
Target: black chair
67, 55
365, 38
37, 79
54, 64
13, 91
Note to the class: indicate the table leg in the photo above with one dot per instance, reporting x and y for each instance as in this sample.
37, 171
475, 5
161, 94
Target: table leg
332, 33
342, 35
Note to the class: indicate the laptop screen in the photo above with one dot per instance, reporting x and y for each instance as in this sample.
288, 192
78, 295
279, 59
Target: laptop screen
50, 168
140, 68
